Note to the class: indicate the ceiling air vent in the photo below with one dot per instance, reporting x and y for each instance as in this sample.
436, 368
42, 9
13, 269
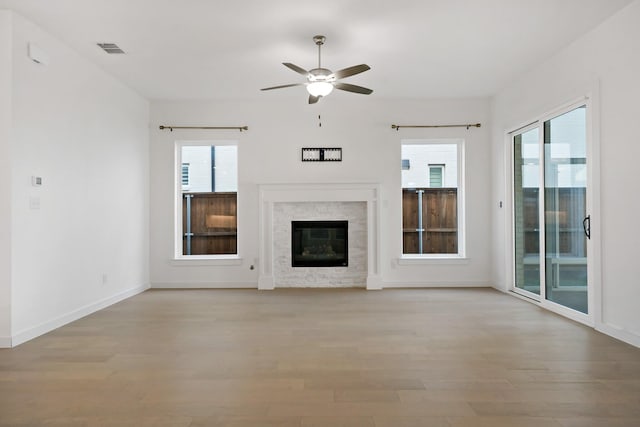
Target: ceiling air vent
110, 48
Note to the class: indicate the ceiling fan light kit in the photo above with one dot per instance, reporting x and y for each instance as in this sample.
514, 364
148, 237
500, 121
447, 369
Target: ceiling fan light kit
321, 81
319, 88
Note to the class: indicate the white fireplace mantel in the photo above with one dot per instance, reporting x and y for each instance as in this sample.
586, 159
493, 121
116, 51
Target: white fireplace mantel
270, 194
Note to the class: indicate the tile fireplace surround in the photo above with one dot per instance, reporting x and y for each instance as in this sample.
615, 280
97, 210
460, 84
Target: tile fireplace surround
282, 203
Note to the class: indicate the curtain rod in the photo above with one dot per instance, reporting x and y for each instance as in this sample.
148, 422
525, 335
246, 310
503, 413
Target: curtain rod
240, 128
475, 125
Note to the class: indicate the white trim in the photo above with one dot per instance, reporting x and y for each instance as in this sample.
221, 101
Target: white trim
204, 285
435, 259
178, 190
619, 333
206, 260
269, 194
48, 326
594, 245
585, 318
460, 144
564, 108
522, 296
509, 224
542, 219
525, 294
553, 307
438, 284
567, 312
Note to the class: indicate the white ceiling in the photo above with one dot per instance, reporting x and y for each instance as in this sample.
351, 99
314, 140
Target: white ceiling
214, 49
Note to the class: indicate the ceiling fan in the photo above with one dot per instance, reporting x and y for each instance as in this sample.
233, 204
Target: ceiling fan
321, 81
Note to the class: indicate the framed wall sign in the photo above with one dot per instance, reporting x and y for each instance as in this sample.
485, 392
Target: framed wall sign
322, 154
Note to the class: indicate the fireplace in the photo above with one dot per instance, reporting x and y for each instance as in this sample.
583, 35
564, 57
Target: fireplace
319, 244
280, 204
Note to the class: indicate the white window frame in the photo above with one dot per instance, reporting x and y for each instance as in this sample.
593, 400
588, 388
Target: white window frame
460, 159
179, 258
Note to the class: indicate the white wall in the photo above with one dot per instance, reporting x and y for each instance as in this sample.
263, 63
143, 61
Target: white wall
421, 155
270, 152
607, 62
86, 135
5, 178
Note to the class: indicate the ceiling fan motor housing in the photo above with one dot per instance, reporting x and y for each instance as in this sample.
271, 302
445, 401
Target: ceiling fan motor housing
319, 40
320, 74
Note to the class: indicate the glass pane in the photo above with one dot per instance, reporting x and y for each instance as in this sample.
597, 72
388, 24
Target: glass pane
565, 178
430, 199
435, 176
526, 159
209, 199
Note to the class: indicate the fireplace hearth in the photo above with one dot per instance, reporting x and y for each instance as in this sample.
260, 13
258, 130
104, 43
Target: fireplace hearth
319, 244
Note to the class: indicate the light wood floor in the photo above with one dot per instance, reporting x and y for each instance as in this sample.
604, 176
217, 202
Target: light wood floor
395, 358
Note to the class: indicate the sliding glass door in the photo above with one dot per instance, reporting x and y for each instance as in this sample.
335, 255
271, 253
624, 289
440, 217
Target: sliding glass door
551, 225
526, 194
566, 219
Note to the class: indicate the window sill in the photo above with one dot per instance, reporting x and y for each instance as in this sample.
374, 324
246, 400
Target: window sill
206, 260
432, 259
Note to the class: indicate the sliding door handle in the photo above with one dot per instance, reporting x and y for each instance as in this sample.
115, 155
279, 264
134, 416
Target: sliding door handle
586, 225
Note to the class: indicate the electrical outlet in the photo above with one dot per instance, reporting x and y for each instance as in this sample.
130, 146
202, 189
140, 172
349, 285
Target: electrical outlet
105, 279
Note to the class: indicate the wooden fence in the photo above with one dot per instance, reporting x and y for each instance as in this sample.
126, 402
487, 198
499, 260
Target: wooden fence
565, 210
439, 220
213, 223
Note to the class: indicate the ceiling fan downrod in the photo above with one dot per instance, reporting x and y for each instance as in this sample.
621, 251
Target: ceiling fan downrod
319, 41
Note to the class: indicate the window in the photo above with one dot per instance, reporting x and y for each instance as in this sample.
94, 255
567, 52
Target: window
436, 173
406, 165
207, 199
432, 198
185, 175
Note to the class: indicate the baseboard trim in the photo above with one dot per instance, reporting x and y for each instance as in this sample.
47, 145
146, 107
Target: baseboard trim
205, 285
612, 331
5, 342
389, 285
619, 333
48, 326
254, 285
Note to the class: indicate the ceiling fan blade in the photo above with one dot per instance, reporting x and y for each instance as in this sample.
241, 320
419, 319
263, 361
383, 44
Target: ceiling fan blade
352, 88
295, 68
351, 71
282, 86
313, 99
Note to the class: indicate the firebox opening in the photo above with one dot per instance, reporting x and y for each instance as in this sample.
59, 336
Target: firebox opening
319, 243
